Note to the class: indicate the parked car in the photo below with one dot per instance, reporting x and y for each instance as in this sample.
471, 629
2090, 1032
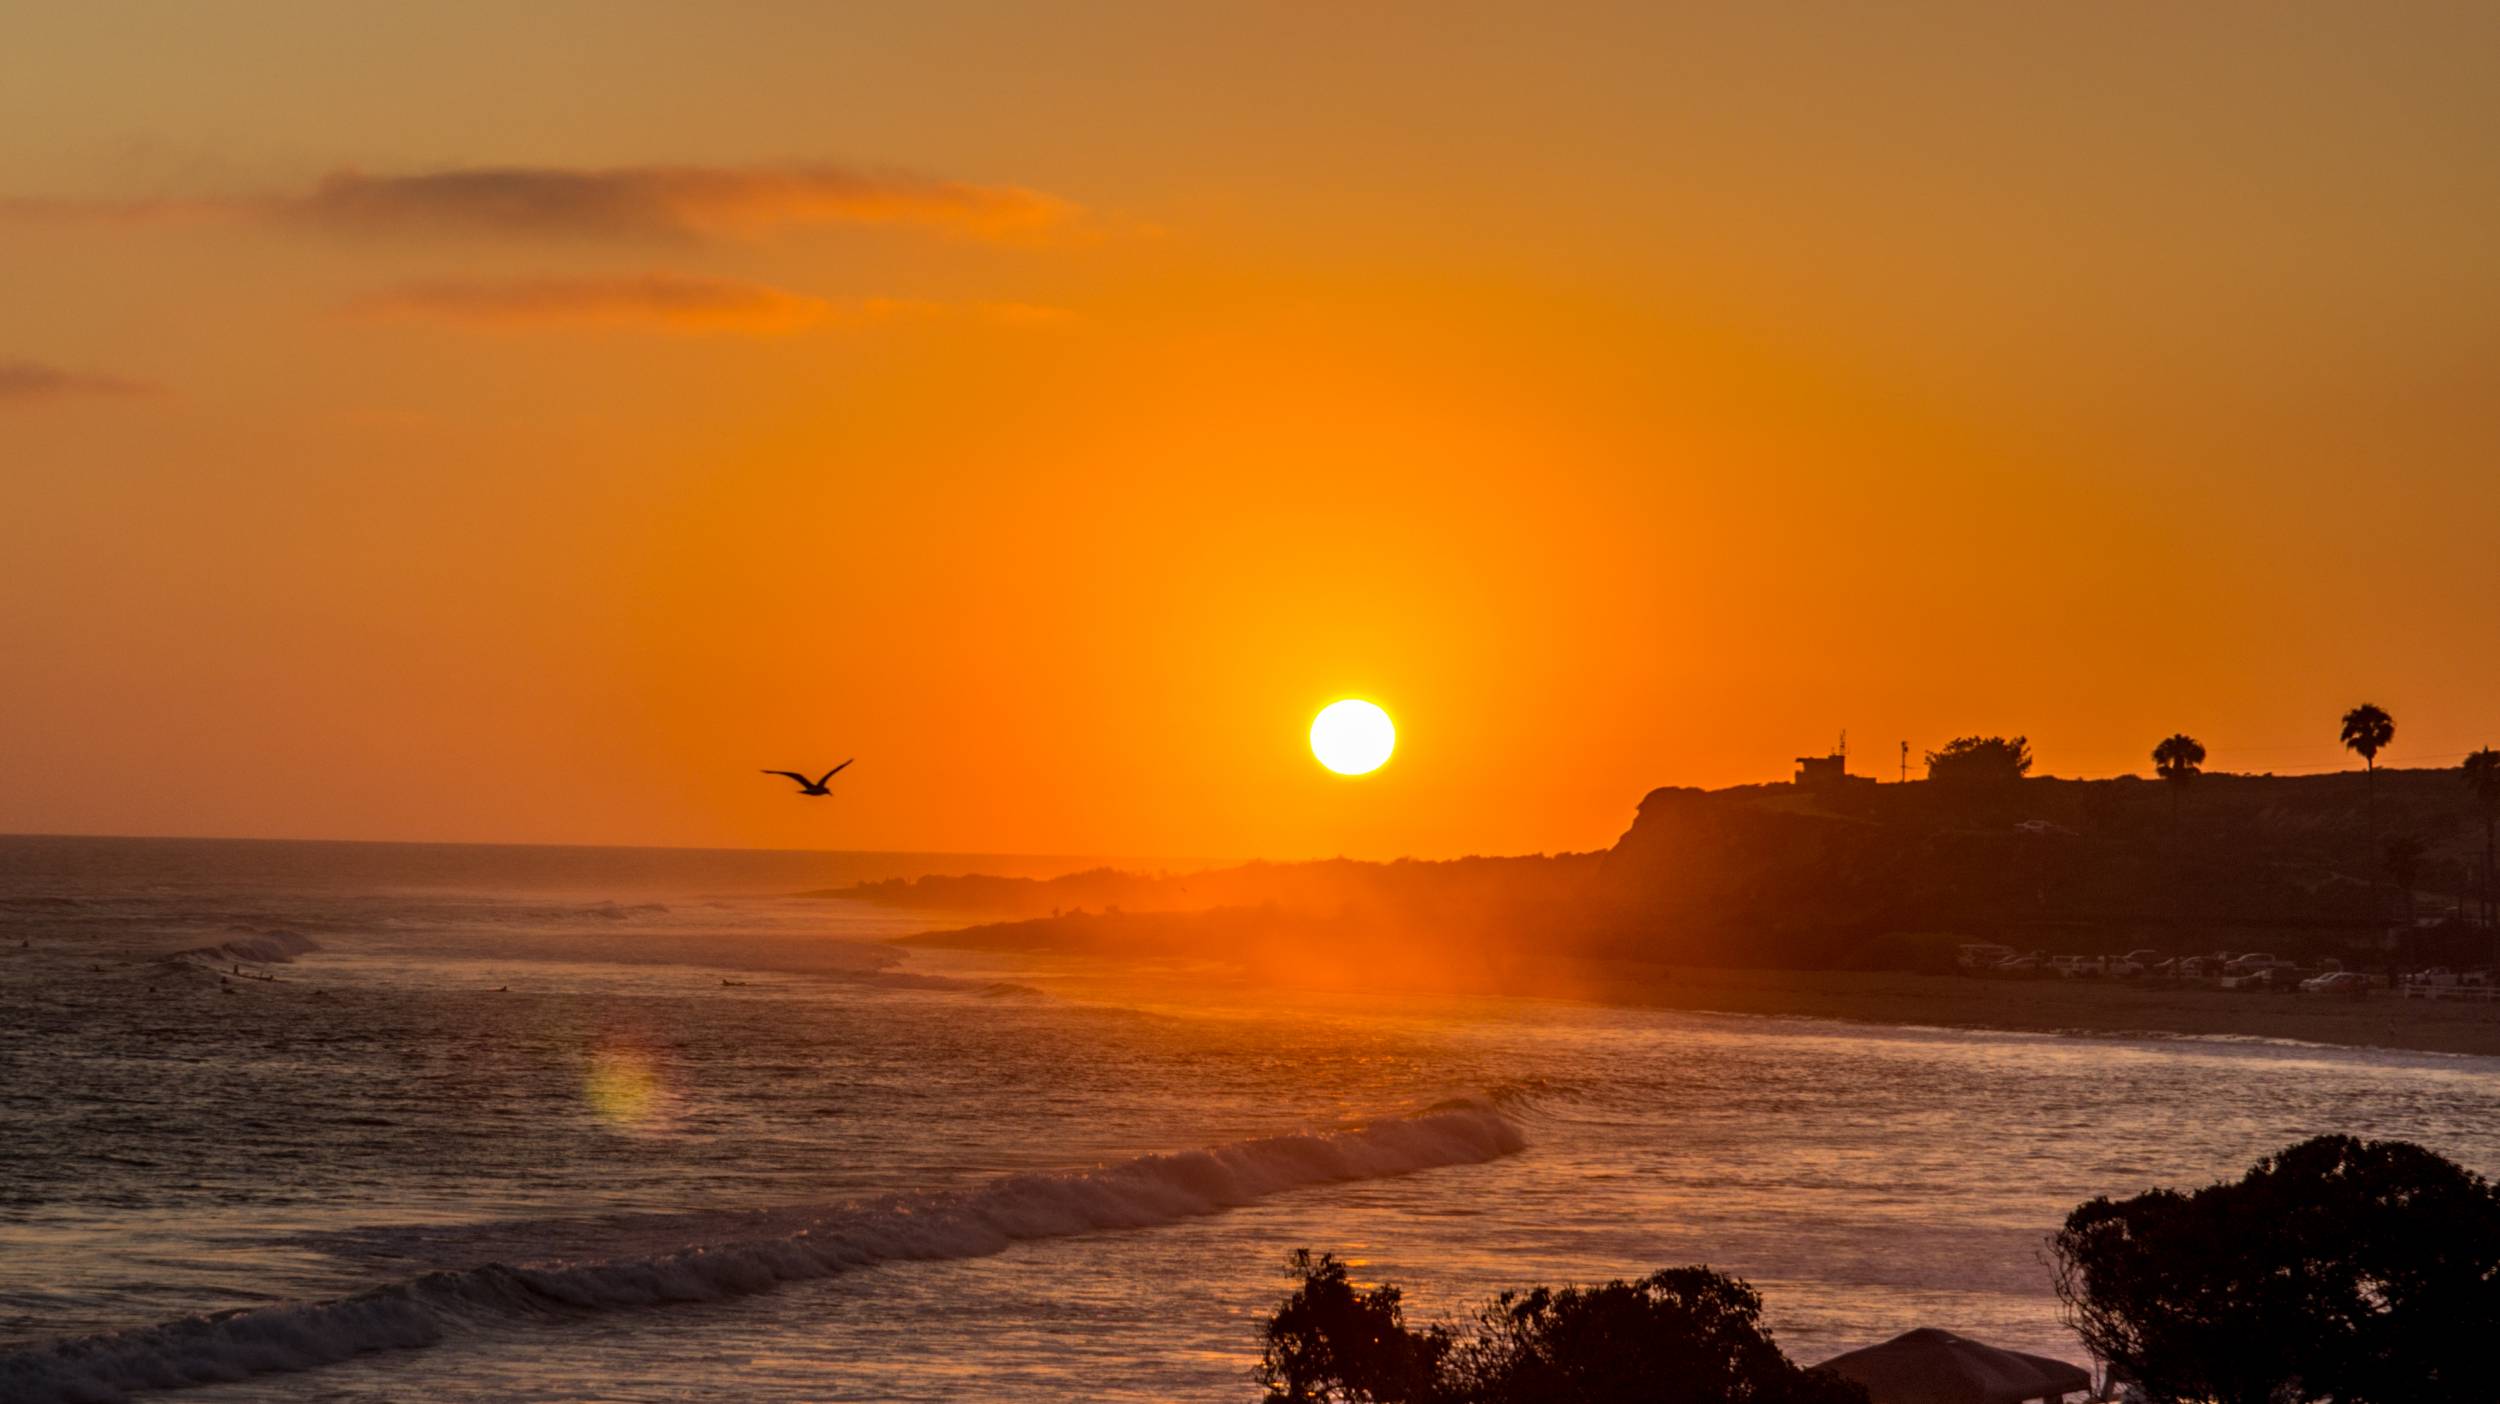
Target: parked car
2343, 982
2088, 966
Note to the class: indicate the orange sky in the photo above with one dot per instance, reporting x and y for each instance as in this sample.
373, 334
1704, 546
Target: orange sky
477, 421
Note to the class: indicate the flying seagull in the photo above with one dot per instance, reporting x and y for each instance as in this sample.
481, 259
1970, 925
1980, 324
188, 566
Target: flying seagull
813, 787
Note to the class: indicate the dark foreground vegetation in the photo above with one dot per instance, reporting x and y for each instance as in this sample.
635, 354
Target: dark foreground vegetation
1682, 1336
2337, 1271
2362, 1272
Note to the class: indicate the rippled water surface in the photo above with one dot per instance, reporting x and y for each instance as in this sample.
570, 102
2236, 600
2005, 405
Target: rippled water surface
520, 1124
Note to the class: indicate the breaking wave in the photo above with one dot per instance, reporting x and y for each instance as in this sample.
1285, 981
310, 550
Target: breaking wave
1141, 1193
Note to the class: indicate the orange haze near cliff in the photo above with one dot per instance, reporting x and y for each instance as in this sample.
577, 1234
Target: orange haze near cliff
500, 422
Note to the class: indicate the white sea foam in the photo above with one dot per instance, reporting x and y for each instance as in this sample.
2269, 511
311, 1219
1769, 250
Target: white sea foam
1141, 1193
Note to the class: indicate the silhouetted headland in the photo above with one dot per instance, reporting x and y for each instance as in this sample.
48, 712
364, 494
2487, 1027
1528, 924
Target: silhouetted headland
1850, 900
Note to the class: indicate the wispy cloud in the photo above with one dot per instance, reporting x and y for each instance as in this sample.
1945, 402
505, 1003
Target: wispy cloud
22, 381
662, 302
611, 203
36, 209
665, 302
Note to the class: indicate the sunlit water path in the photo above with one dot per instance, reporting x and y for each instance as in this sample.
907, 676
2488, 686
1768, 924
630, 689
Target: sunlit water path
539, 1127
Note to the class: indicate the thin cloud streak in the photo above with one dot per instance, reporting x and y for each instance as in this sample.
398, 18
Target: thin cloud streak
664, 302
22, 381
42, 210
615, 203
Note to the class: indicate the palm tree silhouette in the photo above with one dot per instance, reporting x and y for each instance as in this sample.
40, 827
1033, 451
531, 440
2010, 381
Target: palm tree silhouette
2177, 760
2367, 730
2482, 780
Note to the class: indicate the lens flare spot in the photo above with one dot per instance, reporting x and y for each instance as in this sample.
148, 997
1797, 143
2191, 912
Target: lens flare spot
625, 1089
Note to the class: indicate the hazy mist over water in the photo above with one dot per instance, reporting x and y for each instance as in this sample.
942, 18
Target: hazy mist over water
558, 1123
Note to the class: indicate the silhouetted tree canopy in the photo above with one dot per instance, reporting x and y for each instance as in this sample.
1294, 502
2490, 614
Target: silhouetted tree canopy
1681, 1336
1980, 760
2367, 731
2482, 780
2178, 758
2362, 1272
1334, 1343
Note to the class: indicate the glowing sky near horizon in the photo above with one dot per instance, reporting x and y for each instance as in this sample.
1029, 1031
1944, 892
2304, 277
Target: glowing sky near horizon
521, 422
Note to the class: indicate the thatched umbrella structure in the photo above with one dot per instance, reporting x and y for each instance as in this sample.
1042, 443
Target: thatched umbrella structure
1928, 1366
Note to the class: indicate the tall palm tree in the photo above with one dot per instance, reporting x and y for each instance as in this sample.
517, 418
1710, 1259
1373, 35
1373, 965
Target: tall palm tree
2177, 760
2482, 780
2367, 730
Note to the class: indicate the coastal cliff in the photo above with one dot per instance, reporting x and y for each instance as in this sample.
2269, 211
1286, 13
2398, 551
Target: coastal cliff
1855, 876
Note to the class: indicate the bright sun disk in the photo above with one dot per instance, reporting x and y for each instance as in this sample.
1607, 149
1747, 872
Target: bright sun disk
1353, 737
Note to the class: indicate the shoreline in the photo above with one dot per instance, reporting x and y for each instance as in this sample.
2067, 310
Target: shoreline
2380, 1020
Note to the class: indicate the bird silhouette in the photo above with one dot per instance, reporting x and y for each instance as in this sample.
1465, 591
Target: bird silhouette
816, 786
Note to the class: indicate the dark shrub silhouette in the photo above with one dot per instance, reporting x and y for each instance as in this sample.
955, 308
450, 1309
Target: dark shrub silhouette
1332, 1341
2363, 1272
1681, 1336
1980, 760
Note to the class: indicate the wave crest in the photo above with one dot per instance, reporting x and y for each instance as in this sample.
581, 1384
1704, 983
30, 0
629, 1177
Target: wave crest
1140, 1193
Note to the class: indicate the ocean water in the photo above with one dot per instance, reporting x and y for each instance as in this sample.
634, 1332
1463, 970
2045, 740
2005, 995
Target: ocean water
370, 1122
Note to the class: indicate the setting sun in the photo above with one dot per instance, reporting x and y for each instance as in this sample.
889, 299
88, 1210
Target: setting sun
1353, 737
